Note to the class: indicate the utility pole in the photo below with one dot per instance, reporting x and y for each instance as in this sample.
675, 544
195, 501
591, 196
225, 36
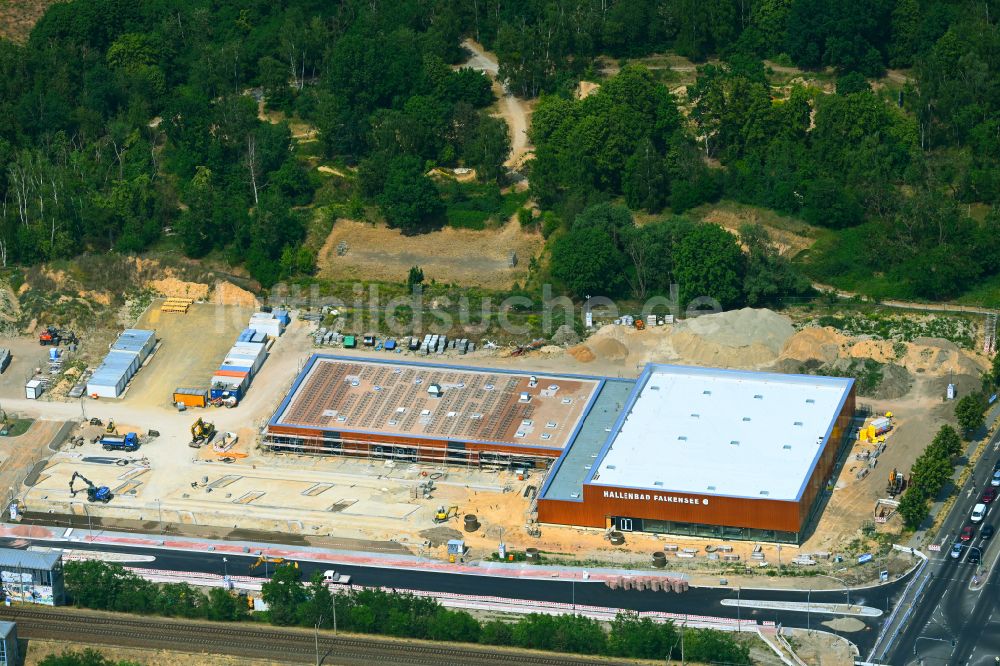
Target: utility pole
316, 637
683, 660
808, 610
739, 620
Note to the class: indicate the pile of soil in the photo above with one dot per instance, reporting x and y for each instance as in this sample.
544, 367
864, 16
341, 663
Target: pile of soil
814, 344
227, 293
581, 353
438, 536
565, 335
609, 349
174, 288
896, 382
739, 338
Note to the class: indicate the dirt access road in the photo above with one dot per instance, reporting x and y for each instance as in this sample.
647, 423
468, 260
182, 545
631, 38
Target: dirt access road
515, 111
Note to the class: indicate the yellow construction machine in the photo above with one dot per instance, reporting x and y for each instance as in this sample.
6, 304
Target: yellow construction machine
202, 432
267, 559
444, 514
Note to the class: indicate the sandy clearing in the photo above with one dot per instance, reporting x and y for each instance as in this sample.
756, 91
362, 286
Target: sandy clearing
462, 256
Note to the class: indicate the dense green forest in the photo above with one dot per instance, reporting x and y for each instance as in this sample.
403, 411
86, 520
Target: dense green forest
120, 120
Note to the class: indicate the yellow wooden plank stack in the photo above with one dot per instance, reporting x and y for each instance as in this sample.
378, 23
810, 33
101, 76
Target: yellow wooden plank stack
178, 305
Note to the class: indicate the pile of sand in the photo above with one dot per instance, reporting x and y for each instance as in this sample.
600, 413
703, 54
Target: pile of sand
746, 338
814, 344
227, 293
581, 353
174, 288
609, 349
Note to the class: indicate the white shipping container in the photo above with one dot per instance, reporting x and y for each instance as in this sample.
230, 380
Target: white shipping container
34, 389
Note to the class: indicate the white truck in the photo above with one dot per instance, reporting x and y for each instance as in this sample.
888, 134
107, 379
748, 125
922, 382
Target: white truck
331, 577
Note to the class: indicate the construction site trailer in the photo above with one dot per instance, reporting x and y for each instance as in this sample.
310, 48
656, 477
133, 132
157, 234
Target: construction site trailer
136, 341
265, 322
191, 397
255, 351
222, 385
33, 389
113, 375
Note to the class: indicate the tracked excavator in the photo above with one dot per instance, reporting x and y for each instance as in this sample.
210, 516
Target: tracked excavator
443, 514
94, 493
202, 432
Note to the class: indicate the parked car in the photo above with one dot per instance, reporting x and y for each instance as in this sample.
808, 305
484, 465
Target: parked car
986, 532
989, 495
956, 550
968, 532
978, 512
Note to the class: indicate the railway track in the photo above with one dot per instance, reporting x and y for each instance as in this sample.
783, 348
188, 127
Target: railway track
282, 645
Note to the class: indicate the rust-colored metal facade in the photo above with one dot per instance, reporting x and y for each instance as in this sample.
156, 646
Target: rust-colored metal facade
600, 505
414, 449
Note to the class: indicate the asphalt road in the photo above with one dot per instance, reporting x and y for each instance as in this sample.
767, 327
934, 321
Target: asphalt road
954, 621
697, 601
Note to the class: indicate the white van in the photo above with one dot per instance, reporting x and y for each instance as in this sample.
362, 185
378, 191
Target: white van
978, 512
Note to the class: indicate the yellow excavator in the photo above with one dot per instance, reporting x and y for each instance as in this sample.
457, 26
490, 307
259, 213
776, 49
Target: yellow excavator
444, 514
267, 559
202, 432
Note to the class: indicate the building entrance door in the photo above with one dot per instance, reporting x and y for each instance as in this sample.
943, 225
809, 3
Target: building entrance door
624, 524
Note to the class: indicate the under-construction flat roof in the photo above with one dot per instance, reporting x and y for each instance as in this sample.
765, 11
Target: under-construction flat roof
722, 432
437, 402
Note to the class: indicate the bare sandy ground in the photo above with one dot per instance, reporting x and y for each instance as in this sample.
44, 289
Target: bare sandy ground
461, 256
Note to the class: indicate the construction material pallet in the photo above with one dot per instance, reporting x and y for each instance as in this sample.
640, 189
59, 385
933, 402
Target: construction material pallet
179, 305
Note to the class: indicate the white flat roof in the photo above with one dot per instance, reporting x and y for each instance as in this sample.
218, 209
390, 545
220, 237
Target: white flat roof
721, 432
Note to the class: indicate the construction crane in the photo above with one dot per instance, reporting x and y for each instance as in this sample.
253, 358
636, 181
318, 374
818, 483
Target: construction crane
444, 514
94, 493
202, 432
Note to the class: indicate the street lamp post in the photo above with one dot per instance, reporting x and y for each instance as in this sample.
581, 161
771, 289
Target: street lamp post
316, 637
809, 611
739, 620
847, 587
